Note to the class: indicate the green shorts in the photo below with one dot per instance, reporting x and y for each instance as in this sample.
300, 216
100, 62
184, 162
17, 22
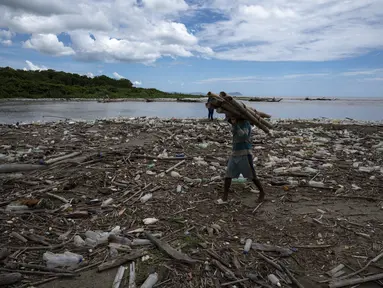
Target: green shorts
241, 165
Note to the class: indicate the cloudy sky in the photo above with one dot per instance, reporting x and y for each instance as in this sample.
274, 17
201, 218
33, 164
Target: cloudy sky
256, 47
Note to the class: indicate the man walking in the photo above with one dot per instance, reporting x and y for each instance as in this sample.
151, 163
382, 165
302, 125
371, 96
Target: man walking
210, 108
241, 160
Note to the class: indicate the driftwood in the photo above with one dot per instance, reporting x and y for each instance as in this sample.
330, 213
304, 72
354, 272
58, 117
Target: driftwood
175, 166
54, 160
234, 108
118, 278
132, 275
283, 252
4, 253
121, 260
291, 276
18, 236
165, 247
228, 273
355, 281
14, 265
15, 167
9, 278
362, 269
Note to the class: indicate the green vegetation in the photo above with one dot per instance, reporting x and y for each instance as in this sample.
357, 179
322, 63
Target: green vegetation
55, 84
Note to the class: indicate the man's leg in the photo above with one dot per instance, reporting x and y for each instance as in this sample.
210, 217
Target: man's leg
226, 188
260, 188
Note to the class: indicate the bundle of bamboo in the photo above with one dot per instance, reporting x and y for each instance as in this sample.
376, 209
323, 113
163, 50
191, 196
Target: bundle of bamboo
226, 104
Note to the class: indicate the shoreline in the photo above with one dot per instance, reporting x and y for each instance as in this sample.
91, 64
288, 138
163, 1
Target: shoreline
273, 121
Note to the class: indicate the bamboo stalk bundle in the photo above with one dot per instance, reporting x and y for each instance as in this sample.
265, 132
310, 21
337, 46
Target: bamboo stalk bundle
230, 106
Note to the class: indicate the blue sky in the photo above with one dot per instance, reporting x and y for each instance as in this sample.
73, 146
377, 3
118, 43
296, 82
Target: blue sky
256, 47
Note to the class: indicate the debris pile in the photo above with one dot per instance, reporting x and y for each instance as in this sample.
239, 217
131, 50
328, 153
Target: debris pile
140, 196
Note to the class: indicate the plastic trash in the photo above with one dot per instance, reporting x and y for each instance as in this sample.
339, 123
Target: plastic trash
247, 247
240, 179
146, 197
150, 166
67, 259
316, 184
78, 241
113, 253
179, 189
203, 145
97, 237
119, 239
150, 281
116, 230
107, 202
16, 207
274, 280
175, 174
148, 221
138, 242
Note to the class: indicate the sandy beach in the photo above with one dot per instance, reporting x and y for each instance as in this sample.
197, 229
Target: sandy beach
323, 182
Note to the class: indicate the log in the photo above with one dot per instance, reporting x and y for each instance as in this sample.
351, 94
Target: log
4, 253
132, 275
175, 166
228, 273
16, 167
165, 247
121, 260
249, 116
117, 280
356, 281
9, 278
54, 160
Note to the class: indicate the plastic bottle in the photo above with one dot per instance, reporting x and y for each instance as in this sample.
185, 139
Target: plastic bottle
150, 281
113, 253
78, 241
274, 280
67, 259
247, 247
119, 239
146, 197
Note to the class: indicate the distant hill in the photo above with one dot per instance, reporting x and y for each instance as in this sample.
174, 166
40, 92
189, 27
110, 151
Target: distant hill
235, 94
58, 84
198, 93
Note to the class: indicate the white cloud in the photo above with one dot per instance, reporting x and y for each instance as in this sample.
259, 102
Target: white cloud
41, 7
247, 30
242, 79
90, 75
6, 42
165, 6
34, 67
362, 72
48, 44
294, 30
118, 76
137, 83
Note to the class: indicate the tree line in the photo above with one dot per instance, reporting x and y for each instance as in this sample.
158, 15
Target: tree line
57, 84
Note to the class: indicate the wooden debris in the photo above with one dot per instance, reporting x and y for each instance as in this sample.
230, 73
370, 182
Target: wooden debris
54, 160
9, 278
117, 280
121, 260
165, 247
132, 275
4, 253
14, 167
355, 281
175, 166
